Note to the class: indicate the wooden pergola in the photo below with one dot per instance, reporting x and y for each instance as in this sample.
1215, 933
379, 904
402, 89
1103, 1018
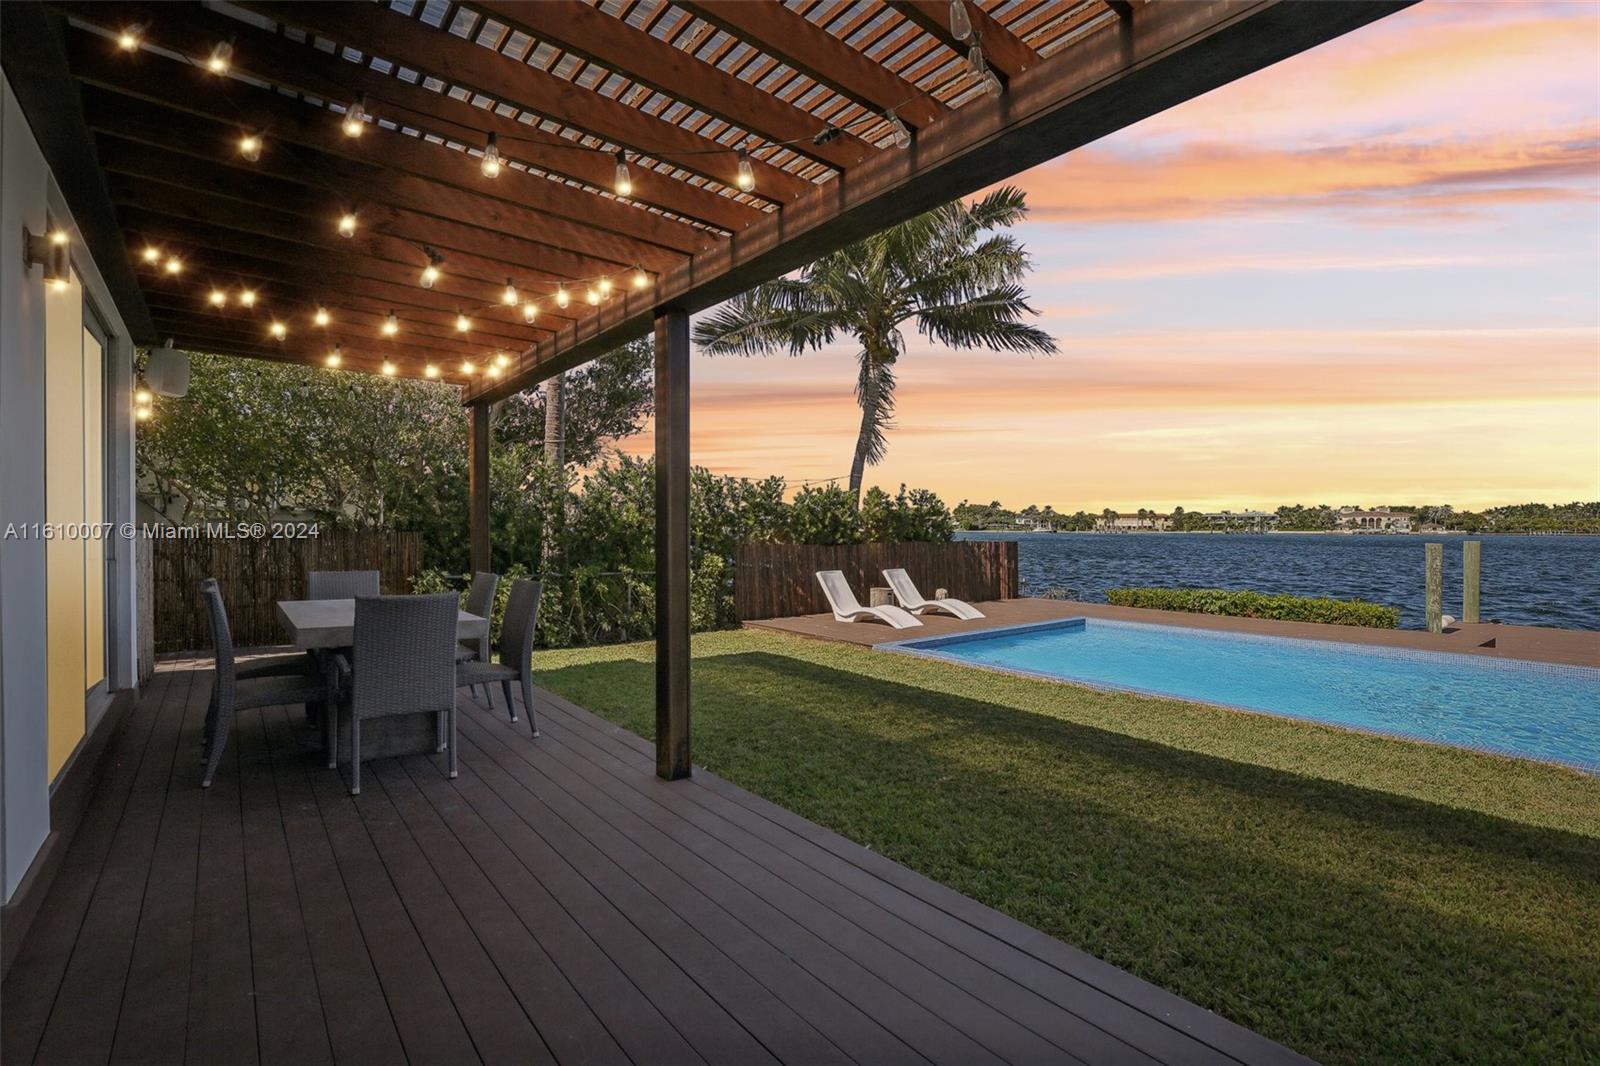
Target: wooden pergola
490, 193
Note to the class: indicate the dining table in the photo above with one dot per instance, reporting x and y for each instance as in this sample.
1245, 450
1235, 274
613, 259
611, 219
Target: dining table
328, 627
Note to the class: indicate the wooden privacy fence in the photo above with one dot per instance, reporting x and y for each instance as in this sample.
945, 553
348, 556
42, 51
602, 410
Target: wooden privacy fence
254, 575
779, 580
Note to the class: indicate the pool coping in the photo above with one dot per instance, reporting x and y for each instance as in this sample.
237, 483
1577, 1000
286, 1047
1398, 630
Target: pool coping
927, 648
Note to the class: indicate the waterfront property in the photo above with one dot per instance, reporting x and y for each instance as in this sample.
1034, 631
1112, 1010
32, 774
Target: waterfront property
1355, 520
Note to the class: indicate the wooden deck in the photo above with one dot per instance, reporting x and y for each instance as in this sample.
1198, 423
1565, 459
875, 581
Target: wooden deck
556, 903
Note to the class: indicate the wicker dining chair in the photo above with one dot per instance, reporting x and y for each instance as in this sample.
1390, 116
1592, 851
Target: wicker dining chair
480, 601
404, 662
232, 693
266, 665
341, 584
515, 649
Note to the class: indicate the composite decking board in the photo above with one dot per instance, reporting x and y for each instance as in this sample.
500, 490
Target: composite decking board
36, 974
574, 1034
289, 1007
152, 1023
786, 886
950, 1026
354, 1012
571, 901
630, 1017
779, 1003
658, 969
784, 827
84, 1017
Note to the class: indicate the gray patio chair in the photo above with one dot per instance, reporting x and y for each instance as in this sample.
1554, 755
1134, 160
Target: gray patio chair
297, 662
403, 662
341, 584
232, 693
515, 651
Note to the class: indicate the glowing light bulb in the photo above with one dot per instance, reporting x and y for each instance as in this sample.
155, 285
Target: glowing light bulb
174, 265
463, 323
622, 180
430, 371
335, 357
562, 299
347, 225
391, 325
430, 274
322, 318
142, 413
491, 159
219, 298
248, 297
530, 311
980, 66
221, 58
747, 173
128, 39
494, 372
388, 369
58, 237
605, 286
250, 147
355, 117
640, 278
143, 397
509, 296
502, 360
58, 284
592, 296
960, 21
467, 368
902, 133
152, 254
279, 330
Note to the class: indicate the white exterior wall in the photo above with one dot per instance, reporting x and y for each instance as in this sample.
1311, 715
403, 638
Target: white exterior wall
28, 195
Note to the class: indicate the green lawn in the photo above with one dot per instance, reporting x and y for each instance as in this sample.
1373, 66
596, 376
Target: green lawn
1359, 899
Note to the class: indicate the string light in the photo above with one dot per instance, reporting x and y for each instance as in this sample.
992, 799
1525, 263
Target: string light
980, 67
747, 173
509, 297
491, 159
502, 360
562, 299
347, 224
219, 298
250, 147
467, 368
530, 311
960, 21
128, 39
174, 265
143, 397
430, 273
430, 371
152, 254
463, 323
279, 330
902, 133
391, 325
355, 117
335, 357
622, 181
221, 57
142, 414
322, 318
248, 297
494, 372
605, 286
640, 279
388, 369
592, 296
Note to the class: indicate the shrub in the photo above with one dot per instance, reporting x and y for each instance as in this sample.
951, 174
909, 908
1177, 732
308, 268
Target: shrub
1247, 604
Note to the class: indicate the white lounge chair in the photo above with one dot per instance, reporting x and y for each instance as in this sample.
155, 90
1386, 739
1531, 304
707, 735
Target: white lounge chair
846, 608
905, 590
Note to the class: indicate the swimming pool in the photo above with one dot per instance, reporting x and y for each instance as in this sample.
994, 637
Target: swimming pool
1535, 710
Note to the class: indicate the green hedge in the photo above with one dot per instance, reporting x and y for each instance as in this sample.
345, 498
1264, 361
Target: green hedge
1246, 604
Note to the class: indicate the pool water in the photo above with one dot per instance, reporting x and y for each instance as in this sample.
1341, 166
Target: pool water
1535, 710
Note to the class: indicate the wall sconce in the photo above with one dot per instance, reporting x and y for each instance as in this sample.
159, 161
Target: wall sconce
50, 251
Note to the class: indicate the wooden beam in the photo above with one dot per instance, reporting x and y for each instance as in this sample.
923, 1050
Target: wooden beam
672, 543
34, 58
460, 62
1004, 52
802, 44
584, 30
1097, 84
279, 61
478, 486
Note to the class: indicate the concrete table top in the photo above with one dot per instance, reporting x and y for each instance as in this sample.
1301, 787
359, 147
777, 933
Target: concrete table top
332, 623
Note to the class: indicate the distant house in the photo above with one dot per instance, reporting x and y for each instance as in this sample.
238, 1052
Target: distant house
1150, 522
1356, 520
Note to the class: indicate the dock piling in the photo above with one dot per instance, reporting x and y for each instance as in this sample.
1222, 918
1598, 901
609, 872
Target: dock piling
1471, 578
1433, 559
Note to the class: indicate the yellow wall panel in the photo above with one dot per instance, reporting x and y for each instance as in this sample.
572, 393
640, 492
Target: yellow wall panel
63, 487
94, 511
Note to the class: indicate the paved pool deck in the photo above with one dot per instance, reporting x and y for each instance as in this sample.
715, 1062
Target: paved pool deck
1569, 647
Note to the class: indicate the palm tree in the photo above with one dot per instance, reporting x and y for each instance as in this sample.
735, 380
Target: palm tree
945, 270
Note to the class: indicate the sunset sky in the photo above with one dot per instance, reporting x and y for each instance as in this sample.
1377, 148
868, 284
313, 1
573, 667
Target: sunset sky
1367, 275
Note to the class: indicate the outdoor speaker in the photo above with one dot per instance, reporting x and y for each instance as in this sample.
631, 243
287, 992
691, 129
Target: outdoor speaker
167, 371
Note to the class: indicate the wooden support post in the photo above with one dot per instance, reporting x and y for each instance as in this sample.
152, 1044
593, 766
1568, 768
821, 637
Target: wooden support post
1433, 562
1471, 578
672, 543
478, 485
